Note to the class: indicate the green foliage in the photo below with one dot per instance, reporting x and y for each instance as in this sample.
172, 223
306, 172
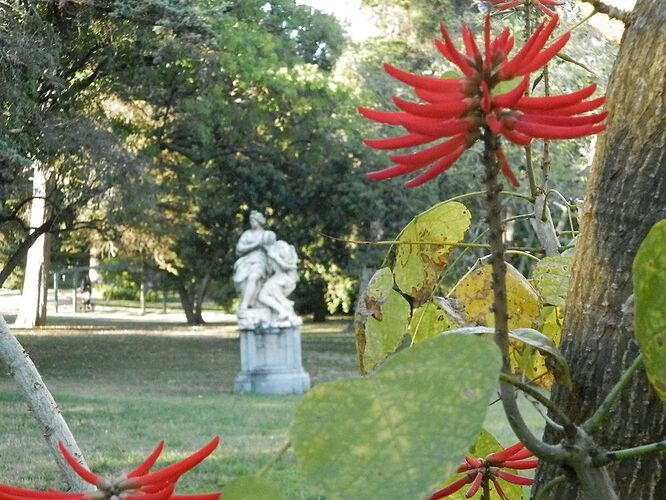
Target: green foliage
397, 432
250, 488
429, 320
649, 276
551, 279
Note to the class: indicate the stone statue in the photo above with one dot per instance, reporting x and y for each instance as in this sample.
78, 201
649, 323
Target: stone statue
264, 276
251, 268
282, 260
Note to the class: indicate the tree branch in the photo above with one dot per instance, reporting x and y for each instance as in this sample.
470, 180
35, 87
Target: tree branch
41, 404
551, 453
569, 427
636, 451
593, 423
611, 11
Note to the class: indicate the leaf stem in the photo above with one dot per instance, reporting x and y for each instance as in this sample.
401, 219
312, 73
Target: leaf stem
549, 486
593, 423
636, 451
269, 465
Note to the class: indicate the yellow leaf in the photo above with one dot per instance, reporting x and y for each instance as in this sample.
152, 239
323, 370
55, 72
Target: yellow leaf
476, 294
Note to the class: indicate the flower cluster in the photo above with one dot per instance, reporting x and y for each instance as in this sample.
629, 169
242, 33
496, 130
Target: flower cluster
479, 471
539, 4
139, 484
463, 109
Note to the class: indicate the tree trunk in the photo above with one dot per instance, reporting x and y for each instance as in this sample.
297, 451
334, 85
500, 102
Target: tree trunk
41, 404
32, 310
201, 290
192, 301
626, 195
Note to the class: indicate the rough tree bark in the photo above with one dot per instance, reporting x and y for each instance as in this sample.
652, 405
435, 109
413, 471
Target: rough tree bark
626, 195
41, 404
32, 309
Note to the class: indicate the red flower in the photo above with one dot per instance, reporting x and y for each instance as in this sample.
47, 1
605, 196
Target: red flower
462, 109
478, 471
539, 4
139, 484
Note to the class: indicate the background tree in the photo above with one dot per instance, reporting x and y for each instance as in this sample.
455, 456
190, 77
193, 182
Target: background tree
626, 195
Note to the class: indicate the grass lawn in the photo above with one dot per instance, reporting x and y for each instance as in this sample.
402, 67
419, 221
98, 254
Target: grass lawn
122, 388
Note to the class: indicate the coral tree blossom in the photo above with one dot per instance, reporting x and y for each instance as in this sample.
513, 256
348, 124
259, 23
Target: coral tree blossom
539, 4
139, 484
479, 471
462, 109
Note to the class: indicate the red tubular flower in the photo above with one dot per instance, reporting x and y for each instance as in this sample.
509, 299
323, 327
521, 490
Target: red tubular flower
461, 110
139, 484
539, 4
480, 471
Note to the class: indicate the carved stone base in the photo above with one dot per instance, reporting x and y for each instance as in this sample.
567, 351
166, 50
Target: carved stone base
261, 318
271, 362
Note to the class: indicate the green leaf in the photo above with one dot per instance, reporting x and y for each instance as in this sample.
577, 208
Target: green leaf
383, 337
378, 290
555, 362
381, 320
472, 330
250, 488
507, 85
451, 74
430, 320
424, 247
399, 431
551, 279
649, 276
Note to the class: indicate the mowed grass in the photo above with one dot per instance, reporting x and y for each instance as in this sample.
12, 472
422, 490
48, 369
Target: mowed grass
122, 388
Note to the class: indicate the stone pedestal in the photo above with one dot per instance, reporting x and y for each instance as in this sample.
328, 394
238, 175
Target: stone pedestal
271, 361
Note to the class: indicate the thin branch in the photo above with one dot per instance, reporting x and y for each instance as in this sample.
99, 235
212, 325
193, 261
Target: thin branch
484, 246
610, 11
593, 423
41, 403
583, 21
551, 453
610, 456
569, 427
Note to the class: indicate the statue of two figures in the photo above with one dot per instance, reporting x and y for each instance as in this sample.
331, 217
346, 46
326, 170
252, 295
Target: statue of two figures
265, 275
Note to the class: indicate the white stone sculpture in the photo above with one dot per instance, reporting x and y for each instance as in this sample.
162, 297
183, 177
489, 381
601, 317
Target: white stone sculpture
264, 276
270, 336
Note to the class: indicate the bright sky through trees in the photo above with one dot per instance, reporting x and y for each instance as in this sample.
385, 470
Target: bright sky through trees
359, 24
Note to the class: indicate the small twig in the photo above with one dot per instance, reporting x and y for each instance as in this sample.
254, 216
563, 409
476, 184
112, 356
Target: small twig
583, 21
549, 486
429, 243
549, 421
274, 460
525, 254
593, 423
569, 427
610, 456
